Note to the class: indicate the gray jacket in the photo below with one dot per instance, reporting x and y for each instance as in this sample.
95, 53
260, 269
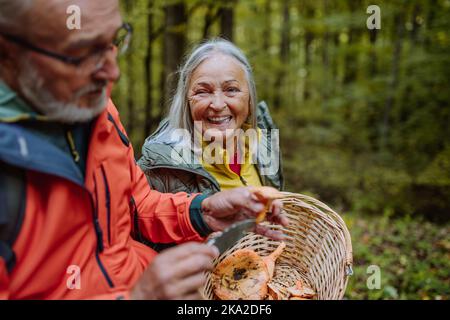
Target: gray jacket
168, 175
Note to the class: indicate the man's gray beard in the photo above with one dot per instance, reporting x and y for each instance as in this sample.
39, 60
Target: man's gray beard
32, 87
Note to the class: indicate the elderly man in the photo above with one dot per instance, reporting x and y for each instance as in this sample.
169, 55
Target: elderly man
75, 209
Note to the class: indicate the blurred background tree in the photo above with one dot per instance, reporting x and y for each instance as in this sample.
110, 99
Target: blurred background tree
364, 115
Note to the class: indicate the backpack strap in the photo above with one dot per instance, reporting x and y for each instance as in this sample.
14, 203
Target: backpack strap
12, 210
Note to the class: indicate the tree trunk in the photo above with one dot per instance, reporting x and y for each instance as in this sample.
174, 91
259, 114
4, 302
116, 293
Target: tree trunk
354, 35
226, 13
432, 4
326, 56
398, 25
267, 25
148, 127
408, 101
309, 37
209, 19
326, 39
284, 54
335, 65
349, 61
350, 72
373, 34
373, 105
173, 49
130, 82
415, 24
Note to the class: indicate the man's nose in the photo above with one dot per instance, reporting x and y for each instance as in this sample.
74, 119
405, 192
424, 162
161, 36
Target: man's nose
109, 70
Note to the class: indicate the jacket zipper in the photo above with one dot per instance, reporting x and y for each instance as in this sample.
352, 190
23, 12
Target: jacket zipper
99, 233
97, 227
244, 182
108, 204
73, 148
135, 222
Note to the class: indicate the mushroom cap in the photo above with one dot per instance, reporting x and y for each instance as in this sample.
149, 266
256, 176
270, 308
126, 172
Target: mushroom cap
242, 275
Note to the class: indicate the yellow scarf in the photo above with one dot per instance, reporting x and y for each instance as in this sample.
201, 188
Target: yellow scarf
216, 160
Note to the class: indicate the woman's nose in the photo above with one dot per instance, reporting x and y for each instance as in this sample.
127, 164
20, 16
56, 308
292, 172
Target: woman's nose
218, 101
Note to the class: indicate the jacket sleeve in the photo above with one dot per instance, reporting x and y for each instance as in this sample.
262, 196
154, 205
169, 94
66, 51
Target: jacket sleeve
4, 281
163, 217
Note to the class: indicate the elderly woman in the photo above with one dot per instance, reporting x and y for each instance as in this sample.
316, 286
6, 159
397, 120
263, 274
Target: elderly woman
215, 98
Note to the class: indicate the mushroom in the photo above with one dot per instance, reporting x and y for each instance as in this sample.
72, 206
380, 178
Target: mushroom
244, 275
266, 195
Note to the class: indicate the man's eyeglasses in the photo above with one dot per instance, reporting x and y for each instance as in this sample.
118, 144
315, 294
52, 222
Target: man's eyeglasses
90, 62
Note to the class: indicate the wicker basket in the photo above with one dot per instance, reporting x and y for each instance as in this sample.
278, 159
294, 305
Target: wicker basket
318, 249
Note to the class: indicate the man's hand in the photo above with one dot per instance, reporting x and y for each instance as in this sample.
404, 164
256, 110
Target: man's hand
176, 273
227, 207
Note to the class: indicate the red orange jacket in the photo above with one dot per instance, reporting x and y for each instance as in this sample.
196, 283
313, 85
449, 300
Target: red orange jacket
76, 238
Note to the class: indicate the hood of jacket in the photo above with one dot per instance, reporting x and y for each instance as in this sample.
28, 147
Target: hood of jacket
15, 109
71, 139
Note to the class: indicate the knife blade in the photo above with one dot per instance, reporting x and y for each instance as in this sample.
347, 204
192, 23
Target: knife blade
232, 235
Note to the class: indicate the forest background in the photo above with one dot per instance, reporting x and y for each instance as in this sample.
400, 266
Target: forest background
364, 115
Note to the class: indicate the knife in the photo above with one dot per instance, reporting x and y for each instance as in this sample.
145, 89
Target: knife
231, 235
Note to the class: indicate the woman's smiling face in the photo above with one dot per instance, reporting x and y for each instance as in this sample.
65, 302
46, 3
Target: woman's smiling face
219, 95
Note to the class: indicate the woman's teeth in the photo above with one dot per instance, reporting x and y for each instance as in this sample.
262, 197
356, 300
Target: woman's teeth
219, 120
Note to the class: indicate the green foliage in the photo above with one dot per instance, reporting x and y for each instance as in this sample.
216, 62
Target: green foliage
413, 257
364, 120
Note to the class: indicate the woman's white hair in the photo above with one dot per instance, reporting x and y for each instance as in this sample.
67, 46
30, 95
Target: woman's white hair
179, 111
12, 12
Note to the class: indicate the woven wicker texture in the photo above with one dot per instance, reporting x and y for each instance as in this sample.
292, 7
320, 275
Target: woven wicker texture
318, 251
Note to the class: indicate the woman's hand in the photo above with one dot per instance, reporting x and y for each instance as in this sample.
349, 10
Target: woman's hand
227, 207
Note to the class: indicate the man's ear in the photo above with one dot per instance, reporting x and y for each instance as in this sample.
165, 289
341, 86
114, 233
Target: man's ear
2, 49
9, 62
5, 49
8, 49
8, 53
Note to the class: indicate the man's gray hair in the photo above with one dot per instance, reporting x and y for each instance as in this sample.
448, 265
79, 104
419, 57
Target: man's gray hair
179, 112
11, 12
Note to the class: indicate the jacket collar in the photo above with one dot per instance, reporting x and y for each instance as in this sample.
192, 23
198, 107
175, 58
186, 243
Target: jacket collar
13, 108
22, 148
26, 140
